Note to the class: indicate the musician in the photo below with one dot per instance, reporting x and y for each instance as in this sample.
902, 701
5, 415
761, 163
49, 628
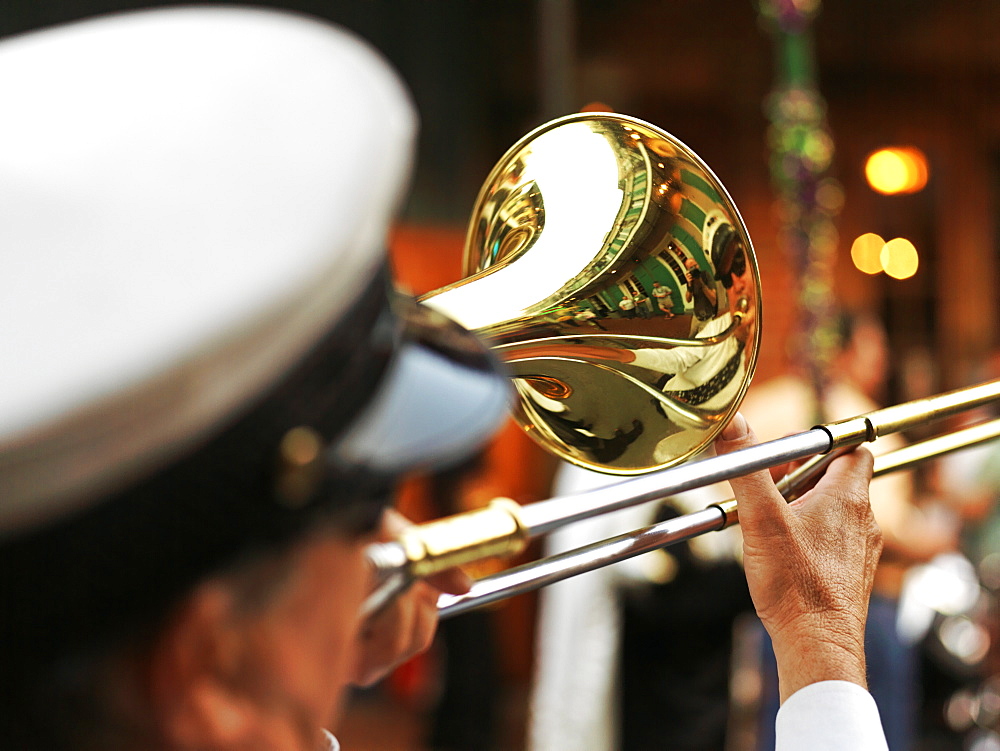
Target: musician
209, 392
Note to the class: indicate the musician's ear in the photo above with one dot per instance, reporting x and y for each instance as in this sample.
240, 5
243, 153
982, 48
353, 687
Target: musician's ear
195, 700
264, 666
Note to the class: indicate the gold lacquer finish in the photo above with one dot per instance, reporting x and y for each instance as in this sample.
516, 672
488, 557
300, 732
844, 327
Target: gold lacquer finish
463, 538
612, 272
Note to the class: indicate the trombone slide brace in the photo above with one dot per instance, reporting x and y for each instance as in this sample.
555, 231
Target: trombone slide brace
496, 530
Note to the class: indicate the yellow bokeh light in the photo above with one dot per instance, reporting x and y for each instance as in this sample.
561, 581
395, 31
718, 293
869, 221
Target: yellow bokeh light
899, 258
866, 253
901, 169
887, 171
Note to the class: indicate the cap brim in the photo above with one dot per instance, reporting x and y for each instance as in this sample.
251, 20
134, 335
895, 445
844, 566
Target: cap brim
443, 396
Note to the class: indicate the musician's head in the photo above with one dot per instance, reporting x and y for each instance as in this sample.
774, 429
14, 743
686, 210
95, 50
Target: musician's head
861, 354
209, 388
728, 254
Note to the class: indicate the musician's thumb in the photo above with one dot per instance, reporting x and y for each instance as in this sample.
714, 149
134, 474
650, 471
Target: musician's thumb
759, 502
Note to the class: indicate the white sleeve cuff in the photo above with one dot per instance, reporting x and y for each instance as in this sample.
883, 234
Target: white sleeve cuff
829, 716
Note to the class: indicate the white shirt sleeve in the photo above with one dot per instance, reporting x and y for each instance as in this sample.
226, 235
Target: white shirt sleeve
334, 743
681, 359
829, 716
669, 360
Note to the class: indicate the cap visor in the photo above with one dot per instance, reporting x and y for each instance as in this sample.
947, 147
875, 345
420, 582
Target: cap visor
443, 396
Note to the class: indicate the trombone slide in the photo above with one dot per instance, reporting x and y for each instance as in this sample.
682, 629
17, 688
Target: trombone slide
537, 574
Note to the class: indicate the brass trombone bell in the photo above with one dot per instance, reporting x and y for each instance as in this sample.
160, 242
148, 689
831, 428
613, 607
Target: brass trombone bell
609, 269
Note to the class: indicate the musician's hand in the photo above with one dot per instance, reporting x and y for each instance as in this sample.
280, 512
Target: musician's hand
810, 565
406, 627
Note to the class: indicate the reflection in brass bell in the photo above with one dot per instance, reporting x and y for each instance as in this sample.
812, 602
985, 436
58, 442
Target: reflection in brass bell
610, 270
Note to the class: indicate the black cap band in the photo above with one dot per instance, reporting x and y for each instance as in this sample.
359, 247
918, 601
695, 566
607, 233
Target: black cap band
125, 559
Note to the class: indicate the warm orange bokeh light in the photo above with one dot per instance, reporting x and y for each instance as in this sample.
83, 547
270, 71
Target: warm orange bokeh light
866, 252
596, 107
896, 170
899, 258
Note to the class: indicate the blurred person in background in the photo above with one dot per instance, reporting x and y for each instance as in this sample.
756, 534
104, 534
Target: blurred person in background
958, 595
969, 482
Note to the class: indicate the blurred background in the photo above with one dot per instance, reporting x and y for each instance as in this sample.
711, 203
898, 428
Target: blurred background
787, 101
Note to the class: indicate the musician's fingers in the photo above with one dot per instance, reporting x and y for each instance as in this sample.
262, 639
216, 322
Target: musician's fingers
761, 506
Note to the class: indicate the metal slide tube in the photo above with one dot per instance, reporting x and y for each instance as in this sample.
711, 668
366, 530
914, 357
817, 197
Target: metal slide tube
532, 576
545, 516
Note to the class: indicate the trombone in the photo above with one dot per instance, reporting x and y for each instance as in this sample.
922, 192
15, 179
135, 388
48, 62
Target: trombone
610, 271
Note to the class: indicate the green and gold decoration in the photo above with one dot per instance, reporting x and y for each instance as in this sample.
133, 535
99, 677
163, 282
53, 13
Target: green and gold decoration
808, 199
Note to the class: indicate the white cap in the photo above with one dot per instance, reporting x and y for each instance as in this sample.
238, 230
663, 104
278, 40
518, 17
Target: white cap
189, 198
